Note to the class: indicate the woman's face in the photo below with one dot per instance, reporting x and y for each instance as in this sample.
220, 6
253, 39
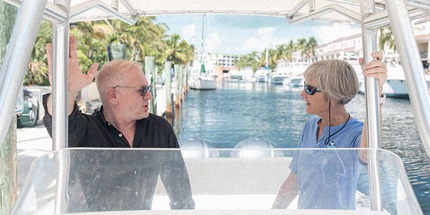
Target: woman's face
316, 104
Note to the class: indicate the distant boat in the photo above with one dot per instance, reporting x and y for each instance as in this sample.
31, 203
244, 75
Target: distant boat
234, 74
261, 75
395, 85
295, 77
202, 80
206, 78
248, 74
279, 76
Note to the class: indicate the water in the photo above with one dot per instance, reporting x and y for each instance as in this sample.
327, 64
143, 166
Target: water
239, 110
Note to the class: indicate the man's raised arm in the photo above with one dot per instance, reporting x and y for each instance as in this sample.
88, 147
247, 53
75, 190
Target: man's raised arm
76, 79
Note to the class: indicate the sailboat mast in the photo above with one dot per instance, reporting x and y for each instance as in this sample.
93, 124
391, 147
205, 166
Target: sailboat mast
267, 58
203, 38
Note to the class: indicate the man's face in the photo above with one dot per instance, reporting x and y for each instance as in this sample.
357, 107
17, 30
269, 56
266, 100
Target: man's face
132, 105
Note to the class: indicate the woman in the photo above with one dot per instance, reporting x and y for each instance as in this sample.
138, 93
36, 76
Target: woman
327, 179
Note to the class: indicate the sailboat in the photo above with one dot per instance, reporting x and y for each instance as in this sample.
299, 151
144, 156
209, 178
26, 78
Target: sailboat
219, 185
204, 80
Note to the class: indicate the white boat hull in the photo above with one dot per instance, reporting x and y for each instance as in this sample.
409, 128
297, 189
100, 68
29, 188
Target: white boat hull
295, 82
277, 80
396, 88
203, 84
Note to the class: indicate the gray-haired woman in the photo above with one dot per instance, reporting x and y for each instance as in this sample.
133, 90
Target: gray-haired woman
327, 179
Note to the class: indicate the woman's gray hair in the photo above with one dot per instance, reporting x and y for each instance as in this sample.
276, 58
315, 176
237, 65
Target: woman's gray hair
111, 75
336, 78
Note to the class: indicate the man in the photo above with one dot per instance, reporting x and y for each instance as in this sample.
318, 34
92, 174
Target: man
123, 121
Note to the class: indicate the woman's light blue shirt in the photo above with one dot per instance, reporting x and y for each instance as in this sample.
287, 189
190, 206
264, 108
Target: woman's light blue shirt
327, 179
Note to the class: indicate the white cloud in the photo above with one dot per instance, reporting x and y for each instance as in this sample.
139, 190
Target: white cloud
188, 32
252, 44
326, 34
212, 42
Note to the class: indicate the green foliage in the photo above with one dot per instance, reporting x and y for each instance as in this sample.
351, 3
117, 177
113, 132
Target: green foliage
307, 49
142, 39
386, 39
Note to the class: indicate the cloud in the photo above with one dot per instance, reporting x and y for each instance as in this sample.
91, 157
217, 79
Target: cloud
188, 32
326, 34
212, 42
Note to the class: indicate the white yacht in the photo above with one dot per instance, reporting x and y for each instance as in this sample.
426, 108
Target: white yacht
395, 85
279, 76
295, 77
81, 179
248, 74
261, 75
234, 74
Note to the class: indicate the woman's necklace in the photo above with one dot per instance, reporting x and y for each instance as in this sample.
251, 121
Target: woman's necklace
327, 141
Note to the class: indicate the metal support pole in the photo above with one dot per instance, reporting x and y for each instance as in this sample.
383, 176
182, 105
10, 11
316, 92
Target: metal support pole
176, 85
16, 59
168, 88
151, 78
60, 68
412, 66
372, 111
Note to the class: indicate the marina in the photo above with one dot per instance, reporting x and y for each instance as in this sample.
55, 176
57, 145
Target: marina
238, 141
237, 111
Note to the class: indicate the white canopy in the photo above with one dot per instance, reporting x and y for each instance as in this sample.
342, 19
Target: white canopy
335, 11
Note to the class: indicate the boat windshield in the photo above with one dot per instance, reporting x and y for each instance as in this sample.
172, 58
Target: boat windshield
222, 181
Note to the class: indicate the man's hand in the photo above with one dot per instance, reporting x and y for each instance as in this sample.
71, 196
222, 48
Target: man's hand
375, 69
76, 79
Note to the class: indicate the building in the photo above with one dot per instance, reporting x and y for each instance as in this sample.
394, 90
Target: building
221, 63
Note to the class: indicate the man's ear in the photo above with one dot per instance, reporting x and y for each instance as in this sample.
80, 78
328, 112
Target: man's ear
112, 96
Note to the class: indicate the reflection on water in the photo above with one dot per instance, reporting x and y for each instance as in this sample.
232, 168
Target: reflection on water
240, 110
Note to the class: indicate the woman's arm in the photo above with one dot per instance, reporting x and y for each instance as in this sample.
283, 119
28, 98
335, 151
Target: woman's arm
375, 69
287, 193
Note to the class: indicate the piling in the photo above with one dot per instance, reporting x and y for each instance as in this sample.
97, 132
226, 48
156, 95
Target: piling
168, 88
177, 86
151, 78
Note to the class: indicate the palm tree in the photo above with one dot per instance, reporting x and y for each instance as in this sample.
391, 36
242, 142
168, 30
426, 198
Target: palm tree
37, 70
386, 39
272, 58
179, 52
291, 48
310, 47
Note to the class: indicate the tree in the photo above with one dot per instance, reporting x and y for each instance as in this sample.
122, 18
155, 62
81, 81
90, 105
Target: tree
37, 70
386, 39
178, 52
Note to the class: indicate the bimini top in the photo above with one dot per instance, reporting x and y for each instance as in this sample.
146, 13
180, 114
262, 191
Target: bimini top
335, 11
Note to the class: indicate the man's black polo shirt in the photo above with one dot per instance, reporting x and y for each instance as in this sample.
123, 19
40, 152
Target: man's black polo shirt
94, 131
99, 180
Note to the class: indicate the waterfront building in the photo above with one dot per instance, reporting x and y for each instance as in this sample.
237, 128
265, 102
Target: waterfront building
221, 63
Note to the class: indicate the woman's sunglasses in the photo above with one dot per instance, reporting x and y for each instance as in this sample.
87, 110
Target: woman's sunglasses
310, 90
142, 90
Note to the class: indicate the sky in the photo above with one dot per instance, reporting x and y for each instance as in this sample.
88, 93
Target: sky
241, 34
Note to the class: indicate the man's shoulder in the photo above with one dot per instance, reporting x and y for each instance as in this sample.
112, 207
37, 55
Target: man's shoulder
157, 120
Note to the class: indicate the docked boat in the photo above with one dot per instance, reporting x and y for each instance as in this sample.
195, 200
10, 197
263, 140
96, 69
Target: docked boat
248, 74
295, 77
110, 181
261, 75
395, 86
279, 76
234, 74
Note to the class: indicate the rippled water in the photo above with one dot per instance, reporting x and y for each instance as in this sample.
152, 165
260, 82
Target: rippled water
240, 110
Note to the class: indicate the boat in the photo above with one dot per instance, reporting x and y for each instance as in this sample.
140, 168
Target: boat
261, 75
248, 74
395, 86
206, 78
279, 76
221, 185
295, 77
234, 74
